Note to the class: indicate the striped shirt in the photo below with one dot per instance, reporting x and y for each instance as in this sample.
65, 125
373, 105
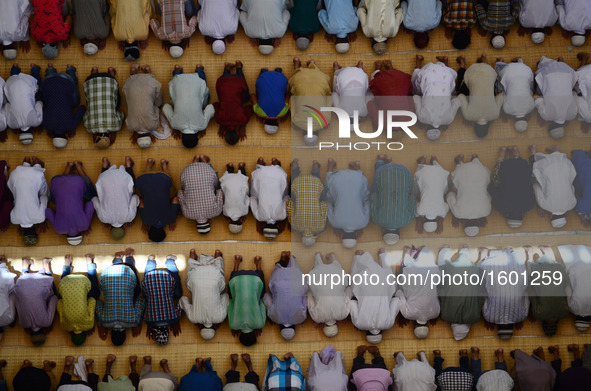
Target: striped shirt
117, 283
246, 310
305, 211
499, 16
506, 303
158, 287
283, 375
392, 203
460, 14
102, 101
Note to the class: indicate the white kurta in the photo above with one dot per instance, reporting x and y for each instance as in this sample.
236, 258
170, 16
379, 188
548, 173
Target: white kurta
375, 308
31, 193
517, 80
431, 182
236, 200
116, 203
420, 301
7, 301
351, 90
268, 194
537, 13
577, 260
327, 304
14, 20
471, 200
414, 375
380, 19
218, 18
206, 282
433, 87
554, 174
574, 15
264, 19
21, 109
556, 81
584, 101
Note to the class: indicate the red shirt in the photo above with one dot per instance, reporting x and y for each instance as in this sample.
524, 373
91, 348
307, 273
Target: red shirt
393, 91
231, 110
48, 21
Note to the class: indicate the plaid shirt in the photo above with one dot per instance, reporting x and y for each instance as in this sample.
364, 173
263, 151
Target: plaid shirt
283, 375
199, 199
102, 101
174, 26
499, 16
460, 14
455, 381
158, 287
305, 211
117, 283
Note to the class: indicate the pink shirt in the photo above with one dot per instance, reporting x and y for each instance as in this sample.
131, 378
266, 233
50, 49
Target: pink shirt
372, 379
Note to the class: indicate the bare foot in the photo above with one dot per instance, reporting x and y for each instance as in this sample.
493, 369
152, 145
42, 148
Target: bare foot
134, 68
361, 349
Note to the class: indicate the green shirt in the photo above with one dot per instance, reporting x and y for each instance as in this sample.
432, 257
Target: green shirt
246, 310
304, 17
75, 308
548, 301
461, 303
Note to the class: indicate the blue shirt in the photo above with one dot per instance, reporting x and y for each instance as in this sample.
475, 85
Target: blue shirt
421, 15
582, 164
206, 381
339, 18
271, 87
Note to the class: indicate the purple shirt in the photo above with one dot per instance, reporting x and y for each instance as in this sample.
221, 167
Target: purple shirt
35, 300
287, 302
72, 215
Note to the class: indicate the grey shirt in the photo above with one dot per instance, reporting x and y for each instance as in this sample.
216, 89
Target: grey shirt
91, 18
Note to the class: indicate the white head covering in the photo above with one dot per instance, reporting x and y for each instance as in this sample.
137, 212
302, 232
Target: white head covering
308, 240
514, 223
271, 129
60, 142
498, 42
218, 46
342, 47
390, 238
288, 333
538, 37
310, 141
10, 54
520, 125
430, 226
374, 338
578, 40
235, 228
433, 134
330, 330
26, 138
349, 243
207, 333
471, 231
421, 331
144, 142
266, 49
302, 43
75, 240
90, 48
175, 51
557, 133
460, 331
559, 223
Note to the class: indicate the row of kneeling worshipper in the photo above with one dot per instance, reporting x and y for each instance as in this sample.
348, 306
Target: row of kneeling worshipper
434, 92
326, 371
503, 286
557, 184
265, 22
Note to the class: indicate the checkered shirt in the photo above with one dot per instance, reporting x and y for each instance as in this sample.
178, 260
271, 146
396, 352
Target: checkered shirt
499, 16
173, 24
305, 211
283, 375
455, 381
158, 287
102, 99
117, 283
460, 14
199, 199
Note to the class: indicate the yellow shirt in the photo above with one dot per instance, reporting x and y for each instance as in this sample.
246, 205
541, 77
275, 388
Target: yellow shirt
75, 308
130, 19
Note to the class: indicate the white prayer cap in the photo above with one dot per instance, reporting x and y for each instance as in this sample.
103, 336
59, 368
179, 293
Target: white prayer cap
60, 142
538, 37
430, 226
26, 138
520, 125
557, 133
75, 240
391, 238
349, 243
288, 333
374, 338
310, 141
513, 223
266, 49
558, 222
330, 330
175, 51
308, 240
10, 54
218, 46
271, 129
578, 40
302, 43
460, 331
342, 47
472, 230
379, 48
421, 331
207, 333
144, 142
498, 42
433, 134
235, 227
90, 48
